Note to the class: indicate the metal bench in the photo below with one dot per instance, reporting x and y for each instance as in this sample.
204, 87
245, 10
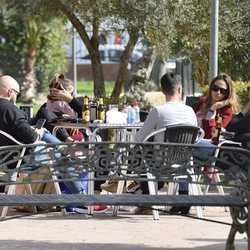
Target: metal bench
131, 161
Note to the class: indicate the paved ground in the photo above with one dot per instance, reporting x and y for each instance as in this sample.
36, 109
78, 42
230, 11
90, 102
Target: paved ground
127, 231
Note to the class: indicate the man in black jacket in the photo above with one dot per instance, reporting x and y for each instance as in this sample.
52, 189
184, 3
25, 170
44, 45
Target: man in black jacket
13, 120
240, 125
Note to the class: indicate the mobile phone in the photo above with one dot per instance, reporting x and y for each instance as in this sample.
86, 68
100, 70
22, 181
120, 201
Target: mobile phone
40, 123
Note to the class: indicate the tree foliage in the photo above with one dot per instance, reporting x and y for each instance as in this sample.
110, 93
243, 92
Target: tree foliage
170, 27
193, 36
139, 18
34, 44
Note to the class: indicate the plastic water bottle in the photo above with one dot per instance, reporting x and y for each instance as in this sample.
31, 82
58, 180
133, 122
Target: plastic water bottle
137, 111
131, 116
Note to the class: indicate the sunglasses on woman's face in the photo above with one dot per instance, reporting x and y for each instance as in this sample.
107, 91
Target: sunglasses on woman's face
216, 88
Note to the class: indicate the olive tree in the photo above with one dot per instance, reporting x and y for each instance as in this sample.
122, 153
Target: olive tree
142, 18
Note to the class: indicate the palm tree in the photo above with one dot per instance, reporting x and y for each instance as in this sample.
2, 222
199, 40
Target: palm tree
33, 34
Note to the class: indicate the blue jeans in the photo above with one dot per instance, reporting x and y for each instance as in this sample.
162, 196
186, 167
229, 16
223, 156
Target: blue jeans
74, 186
207, 149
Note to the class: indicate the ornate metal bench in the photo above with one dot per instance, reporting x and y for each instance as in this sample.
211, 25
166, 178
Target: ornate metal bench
130, 161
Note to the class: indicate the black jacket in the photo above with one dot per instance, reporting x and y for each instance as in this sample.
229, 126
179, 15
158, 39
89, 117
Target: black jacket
44, 113
240, 125
13, 121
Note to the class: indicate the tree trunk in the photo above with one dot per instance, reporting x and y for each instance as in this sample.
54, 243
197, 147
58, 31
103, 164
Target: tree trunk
29, 85
92, 46
99, 88
122, 72
141, 70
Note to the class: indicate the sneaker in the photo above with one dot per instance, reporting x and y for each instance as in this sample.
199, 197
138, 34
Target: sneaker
98, 209
143, 211
111, 186
179, 210
132, 187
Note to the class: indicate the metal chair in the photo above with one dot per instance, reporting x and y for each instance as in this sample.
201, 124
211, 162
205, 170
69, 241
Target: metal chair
180, 133
216, 176
7, 139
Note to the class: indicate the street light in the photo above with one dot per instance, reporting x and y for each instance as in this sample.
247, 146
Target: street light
213, 58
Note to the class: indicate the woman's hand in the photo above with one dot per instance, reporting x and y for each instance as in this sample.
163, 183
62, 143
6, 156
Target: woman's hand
61, 94
219, 105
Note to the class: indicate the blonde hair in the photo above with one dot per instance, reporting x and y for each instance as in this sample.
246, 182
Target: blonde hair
58, 81
231, 96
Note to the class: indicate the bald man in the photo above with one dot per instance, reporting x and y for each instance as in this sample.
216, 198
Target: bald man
13, 120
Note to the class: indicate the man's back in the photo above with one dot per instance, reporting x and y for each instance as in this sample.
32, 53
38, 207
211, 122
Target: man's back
170, 113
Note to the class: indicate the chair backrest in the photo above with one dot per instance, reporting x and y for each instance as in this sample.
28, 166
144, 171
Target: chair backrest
179, 133
221, 154
6, 140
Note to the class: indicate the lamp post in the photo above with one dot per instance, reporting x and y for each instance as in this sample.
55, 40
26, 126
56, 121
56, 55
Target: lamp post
213, 58
74, 64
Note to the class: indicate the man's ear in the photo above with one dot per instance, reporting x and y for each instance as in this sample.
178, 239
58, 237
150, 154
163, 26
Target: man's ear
179, 90
9, 91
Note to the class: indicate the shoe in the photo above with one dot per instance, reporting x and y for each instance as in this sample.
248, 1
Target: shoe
132, 187
175, 210
98, 209
143, 211
180, 210
111, 186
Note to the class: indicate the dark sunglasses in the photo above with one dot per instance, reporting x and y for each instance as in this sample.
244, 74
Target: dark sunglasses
216, 88
17, 93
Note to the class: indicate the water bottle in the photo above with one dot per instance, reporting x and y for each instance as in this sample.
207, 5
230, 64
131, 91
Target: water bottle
137, 111
131, 116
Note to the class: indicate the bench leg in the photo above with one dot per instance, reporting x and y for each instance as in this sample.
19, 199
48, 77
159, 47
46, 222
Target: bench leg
240, 217
230, 239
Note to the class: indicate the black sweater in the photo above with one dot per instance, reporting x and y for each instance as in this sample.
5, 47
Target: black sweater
13, 121
240, 124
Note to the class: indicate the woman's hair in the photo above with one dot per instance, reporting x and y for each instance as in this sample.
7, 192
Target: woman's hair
58, 81
231, 95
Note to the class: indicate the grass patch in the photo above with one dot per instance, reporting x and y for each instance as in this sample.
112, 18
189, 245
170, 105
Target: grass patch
87, 88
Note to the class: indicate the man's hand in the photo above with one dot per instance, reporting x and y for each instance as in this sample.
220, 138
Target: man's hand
40, 133
61, 94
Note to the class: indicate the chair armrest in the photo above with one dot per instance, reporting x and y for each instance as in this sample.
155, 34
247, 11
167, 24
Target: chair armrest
154, 133
200, 135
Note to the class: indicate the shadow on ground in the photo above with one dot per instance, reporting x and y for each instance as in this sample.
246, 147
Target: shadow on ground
38, 245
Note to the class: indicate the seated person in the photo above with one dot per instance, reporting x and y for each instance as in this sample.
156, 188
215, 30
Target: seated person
54, 108
220, 101
13, 121
240, 125
170, 113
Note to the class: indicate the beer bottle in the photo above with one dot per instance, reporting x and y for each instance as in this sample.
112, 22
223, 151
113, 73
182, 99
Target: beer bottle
85, 110
217, 129
93, 110
101, 110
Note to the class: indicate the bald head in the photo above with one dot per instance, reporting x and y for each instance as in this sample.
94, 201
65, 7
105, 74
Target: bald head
9, 82
8, 85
